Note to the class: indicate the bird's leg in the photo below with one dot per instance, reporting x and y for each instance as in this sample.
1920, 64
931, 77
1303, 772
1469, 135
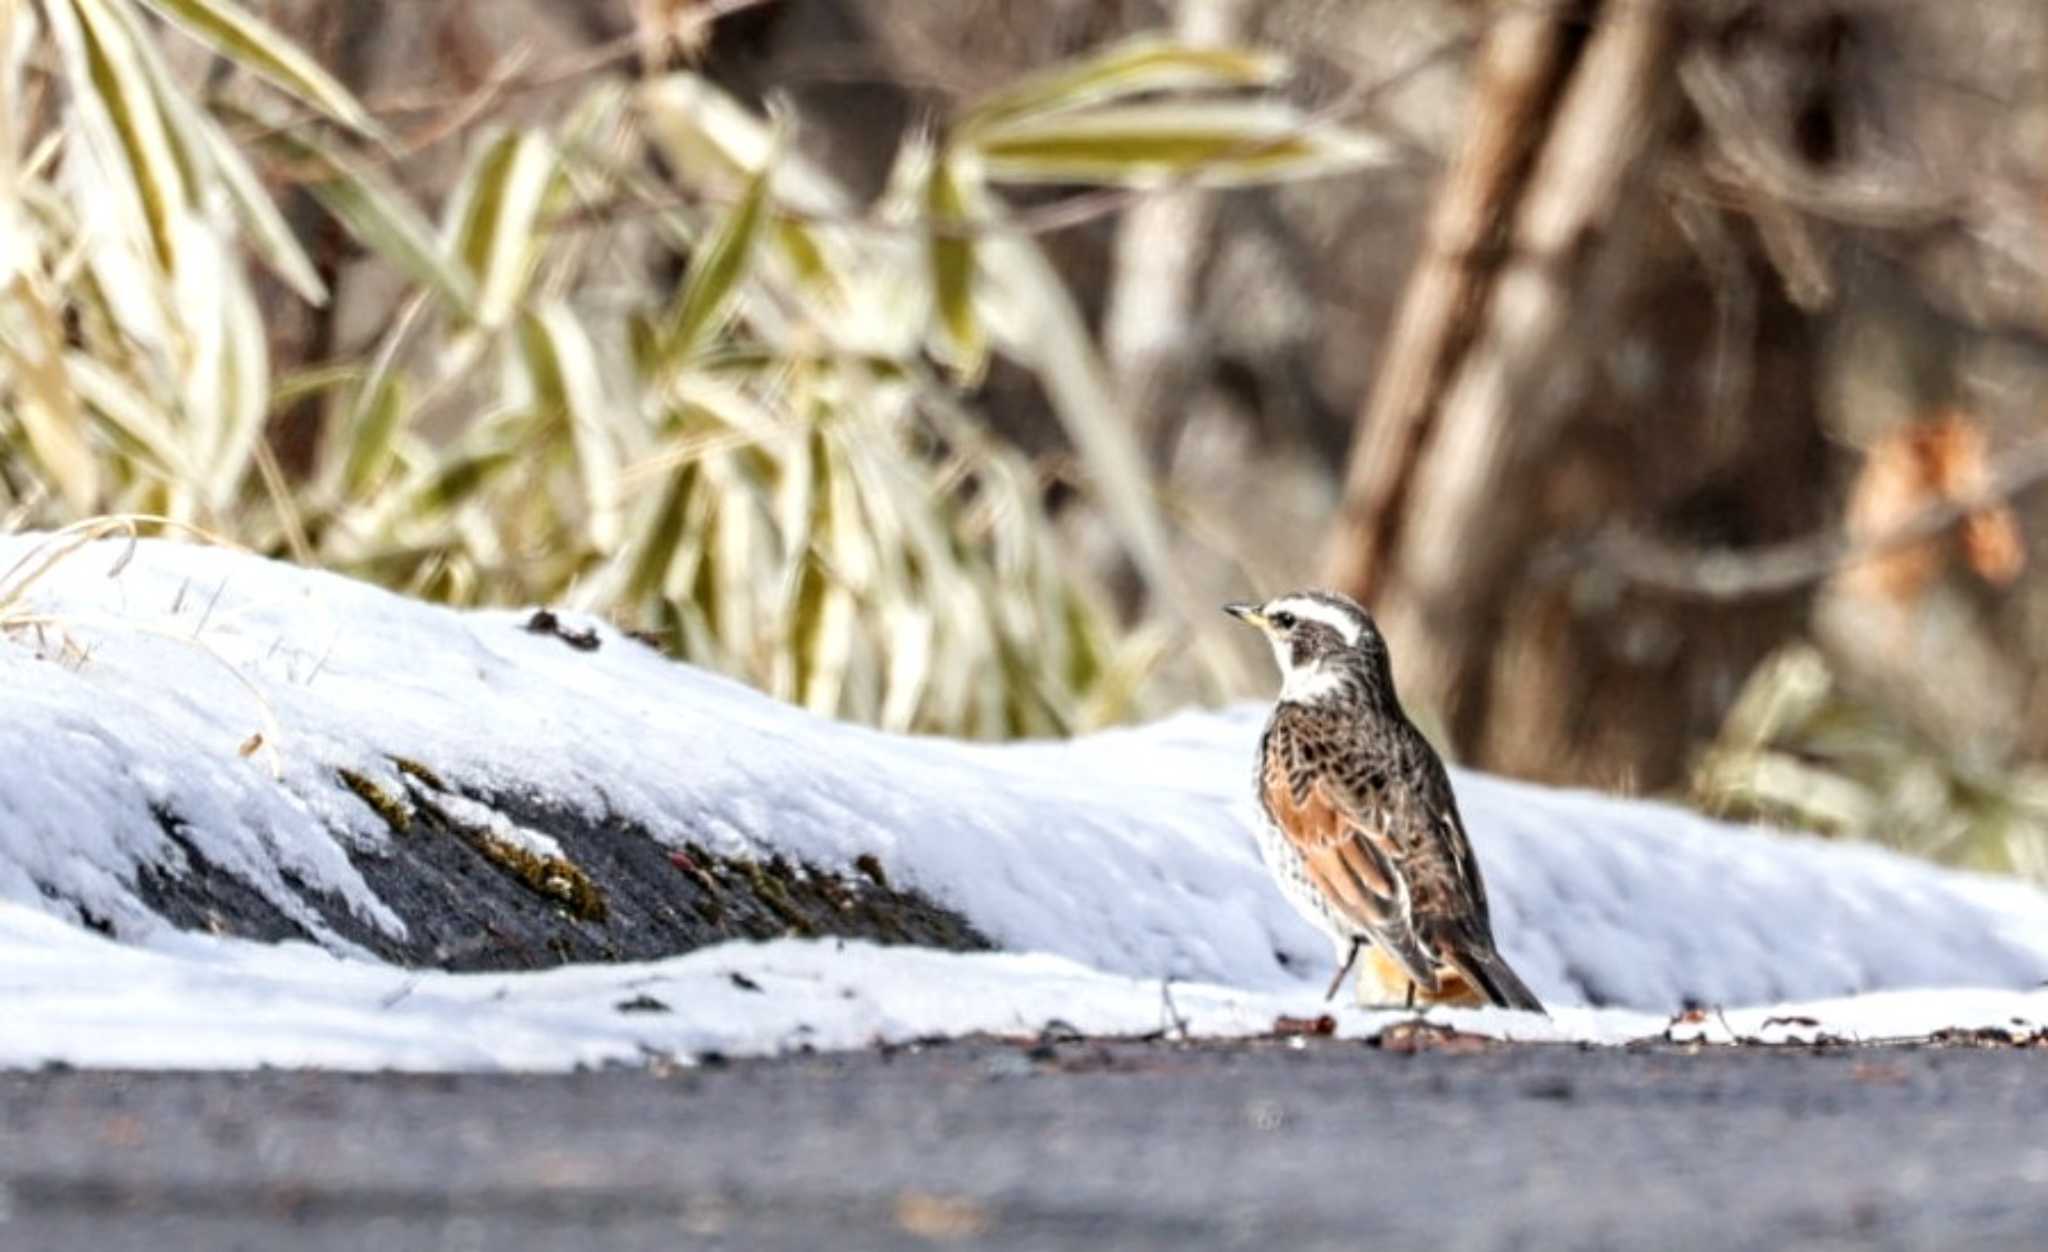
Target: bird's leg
1411, 995
1350, 959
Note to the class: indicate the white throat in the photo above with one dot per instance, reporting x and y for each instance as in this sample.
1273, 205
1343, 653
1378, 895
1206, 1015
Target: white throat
1309, 683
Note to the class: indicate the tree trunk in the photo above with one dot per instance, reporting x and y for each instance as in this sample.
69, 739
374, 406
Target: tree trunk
1546, 377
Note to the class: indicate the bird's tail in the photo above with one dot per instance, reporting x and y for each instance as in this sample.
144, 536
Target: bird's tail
1490, 972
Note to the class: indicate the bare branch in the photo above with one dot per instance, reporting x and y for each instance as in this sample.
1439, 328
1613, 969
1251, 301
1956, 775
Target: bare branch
1727, 574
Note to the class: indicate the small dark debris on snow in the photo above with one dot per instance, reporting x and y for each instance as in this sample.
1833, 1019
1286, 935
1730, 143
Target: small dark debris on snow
642, 1003
1060, 1030
868, 865
1292, 1027
1794, 1020
544, 622
1990, 1037
743, 982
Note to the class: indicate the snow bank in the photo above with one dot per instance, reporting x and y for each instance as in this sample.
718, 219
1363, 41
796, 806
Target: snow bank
222, 694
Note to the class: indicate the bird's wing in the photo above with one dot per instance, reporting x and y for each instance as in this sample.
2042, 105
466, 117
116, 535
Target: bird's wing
1450, 902
1353, 861
1464, 891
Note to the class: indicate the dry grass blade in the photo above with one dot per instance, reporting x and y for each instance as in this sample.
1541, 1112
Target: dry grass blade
56, 548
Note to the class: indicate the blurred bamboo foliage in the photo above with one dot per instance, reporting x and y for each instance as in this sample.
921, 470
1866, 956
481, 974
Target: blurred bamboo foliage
759, 460
942, 366
1803, 749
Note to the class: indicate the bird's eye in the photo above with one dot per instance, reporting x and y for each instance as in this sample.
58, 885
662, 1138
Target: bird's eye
1283, 619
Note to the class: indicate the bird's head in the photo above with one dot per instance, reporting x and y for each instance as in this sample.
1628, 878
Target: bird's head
1327, 646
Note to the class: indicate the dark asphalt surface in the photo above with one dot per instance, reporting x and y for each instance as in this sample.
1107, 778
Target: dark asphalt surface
1124, 1146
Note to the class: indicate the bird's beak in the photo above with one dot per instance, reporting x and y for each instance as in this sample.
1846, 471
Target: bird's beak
1245, 611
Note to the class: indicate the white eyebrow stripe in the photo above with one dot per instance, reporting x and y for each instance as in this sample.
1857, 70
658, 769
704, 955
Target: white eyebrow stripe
1330, 615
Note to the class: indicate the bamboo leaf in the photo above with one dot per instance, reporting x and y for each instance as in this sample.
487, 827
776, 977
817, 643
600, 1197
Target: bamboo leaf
820, 610
368, 436
462, 474
121, 121
1212, 144
951, 255
661, 535
799, 244
131, 416
713, 141
716, 269
276, 244
45, 406
244, 389
374, 426
564, 370
378, 214
494, 220
738, 538
199, 351
304, 384
1142, 64
728, 405
208, 158
256, 47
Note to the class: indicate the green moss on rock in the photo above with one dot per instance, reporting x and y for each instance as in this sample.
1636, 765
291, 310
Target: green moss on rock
414, 769
397, 814
556, 878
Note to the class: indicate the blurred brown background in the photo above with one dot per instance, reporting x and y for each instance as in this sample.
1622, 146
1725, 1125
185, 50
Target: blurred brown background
1670, 386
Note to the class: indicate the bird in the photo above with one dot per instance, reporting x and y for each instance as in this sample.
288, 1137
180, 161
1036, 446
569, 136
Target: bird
1360, 827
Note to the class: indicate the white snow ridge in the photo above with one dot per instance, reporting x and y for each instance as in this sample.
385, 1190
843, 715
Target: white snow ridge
1116, 872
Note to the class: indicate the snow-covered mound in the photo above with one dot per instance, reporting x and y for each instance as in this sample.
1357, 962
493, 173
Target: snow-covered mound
176, 690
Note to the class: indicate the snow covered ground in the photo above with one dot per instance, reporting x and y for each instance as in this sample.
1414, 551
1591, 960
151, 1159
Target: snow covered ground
178, 679
195, 1002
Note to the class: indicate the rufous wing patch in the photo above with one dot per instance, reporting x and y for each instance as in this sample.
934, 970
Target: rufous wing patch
1336, 849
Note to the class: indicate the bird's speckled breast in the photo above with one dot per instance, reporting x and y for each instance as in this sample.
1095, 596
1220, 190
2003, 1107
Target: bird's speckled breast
1284, 861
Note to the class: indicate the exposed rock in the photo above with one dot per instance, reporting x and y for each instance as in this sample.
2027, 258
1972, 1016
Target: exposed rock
474, 900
